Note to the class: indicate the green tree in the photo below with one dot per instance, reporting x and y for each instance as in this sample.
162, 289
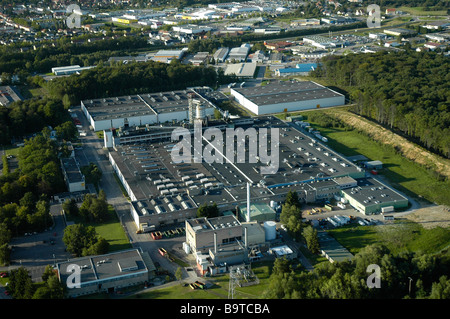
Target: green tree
100, 247
312, 242
292, 199
70, 207
291, 217
209, 211
20, 284
66, 131
441, 289
282, 281
78, 237
94, 209
5, 253
179, 274
92, 173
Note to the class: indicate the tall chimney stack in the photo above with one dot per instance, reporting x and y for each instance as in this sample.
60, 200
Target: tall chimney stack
248, 202
245, 238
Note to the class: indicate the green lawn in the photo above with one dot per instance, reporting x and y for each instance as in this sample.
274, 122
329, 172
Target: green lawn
112, 231
419, 11
403, 174
11, 150
218, 291
400, 236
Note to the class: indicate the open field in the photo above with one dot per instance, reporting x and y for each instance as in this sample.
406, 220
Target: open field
219, 289
420, 11
399, 236
431, 216
11, 150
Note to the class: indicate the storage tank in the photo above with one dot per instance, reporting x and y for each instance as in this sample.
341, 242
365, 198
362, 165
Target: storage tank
270, 229
273, 204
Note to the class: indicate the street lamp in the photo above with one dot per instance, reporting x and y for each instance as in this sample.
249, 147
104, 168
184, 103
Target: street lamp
410, 280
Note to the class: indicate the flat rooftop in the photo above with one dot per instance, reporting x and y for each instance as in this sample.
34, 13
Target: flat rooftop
72, 170
333, 248
8, 95
241, 69
103, 267
117, 107
138, 105
370, 191
286, 92
209, 224
303, 161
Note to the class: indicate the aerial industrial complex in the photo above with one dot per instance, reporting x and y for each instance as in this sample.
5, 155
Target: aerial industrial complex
138, 133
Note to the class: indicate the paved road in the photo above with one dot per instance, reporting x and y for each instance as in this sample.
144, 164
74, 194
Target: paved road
93, 151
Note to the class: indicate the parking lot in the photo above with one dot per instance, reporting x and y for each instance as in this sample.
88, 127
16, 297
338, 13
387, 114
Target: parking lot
37, 250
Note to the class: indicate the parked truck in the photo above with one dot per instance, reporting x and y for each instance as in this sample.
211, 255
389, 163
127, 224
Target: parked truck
146, 228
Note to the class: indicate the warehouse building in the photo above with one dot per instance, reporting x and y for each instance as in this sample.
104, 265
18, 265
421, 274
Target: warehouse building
68, 70
73, 177
399, 32
166, 56
371, 196
8, 95
141, 109
221, 54
300, 69
259, 212
286, 96
106, 273
332, 249
239, 54
242, 70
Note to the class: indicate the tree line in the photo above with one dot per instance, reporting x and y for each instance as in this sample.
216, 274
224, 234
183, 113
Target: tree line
26, 191
407, 275
64, 52
405, 91
25, 118
133, 78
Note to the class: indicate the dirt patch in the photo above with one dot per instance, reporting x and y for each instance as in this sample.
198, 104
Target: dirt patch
431, 217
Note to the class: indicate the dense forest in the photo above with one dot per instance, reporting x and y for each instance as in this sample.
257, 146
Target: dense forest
26, 191
65, 52
406, 91
24, 118
134, 78
407, 275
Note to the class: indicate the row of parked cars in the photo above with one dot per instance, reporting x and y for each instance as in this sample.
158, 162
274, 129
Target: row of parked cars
168, 233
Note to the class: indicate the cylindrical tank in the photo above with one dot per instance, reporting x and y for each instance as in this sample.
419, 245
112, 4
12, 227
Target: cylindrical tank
200, 114
270, 229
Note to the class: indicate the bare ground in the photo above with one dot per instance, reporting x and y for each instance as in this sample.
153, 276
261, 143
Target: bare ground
431, 217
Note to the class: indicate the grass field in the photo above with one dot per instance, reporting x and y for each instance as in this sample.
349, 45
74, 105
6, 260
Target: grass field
219, 290
399, 237
11, 150
420, 11
405, 175
112, 231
